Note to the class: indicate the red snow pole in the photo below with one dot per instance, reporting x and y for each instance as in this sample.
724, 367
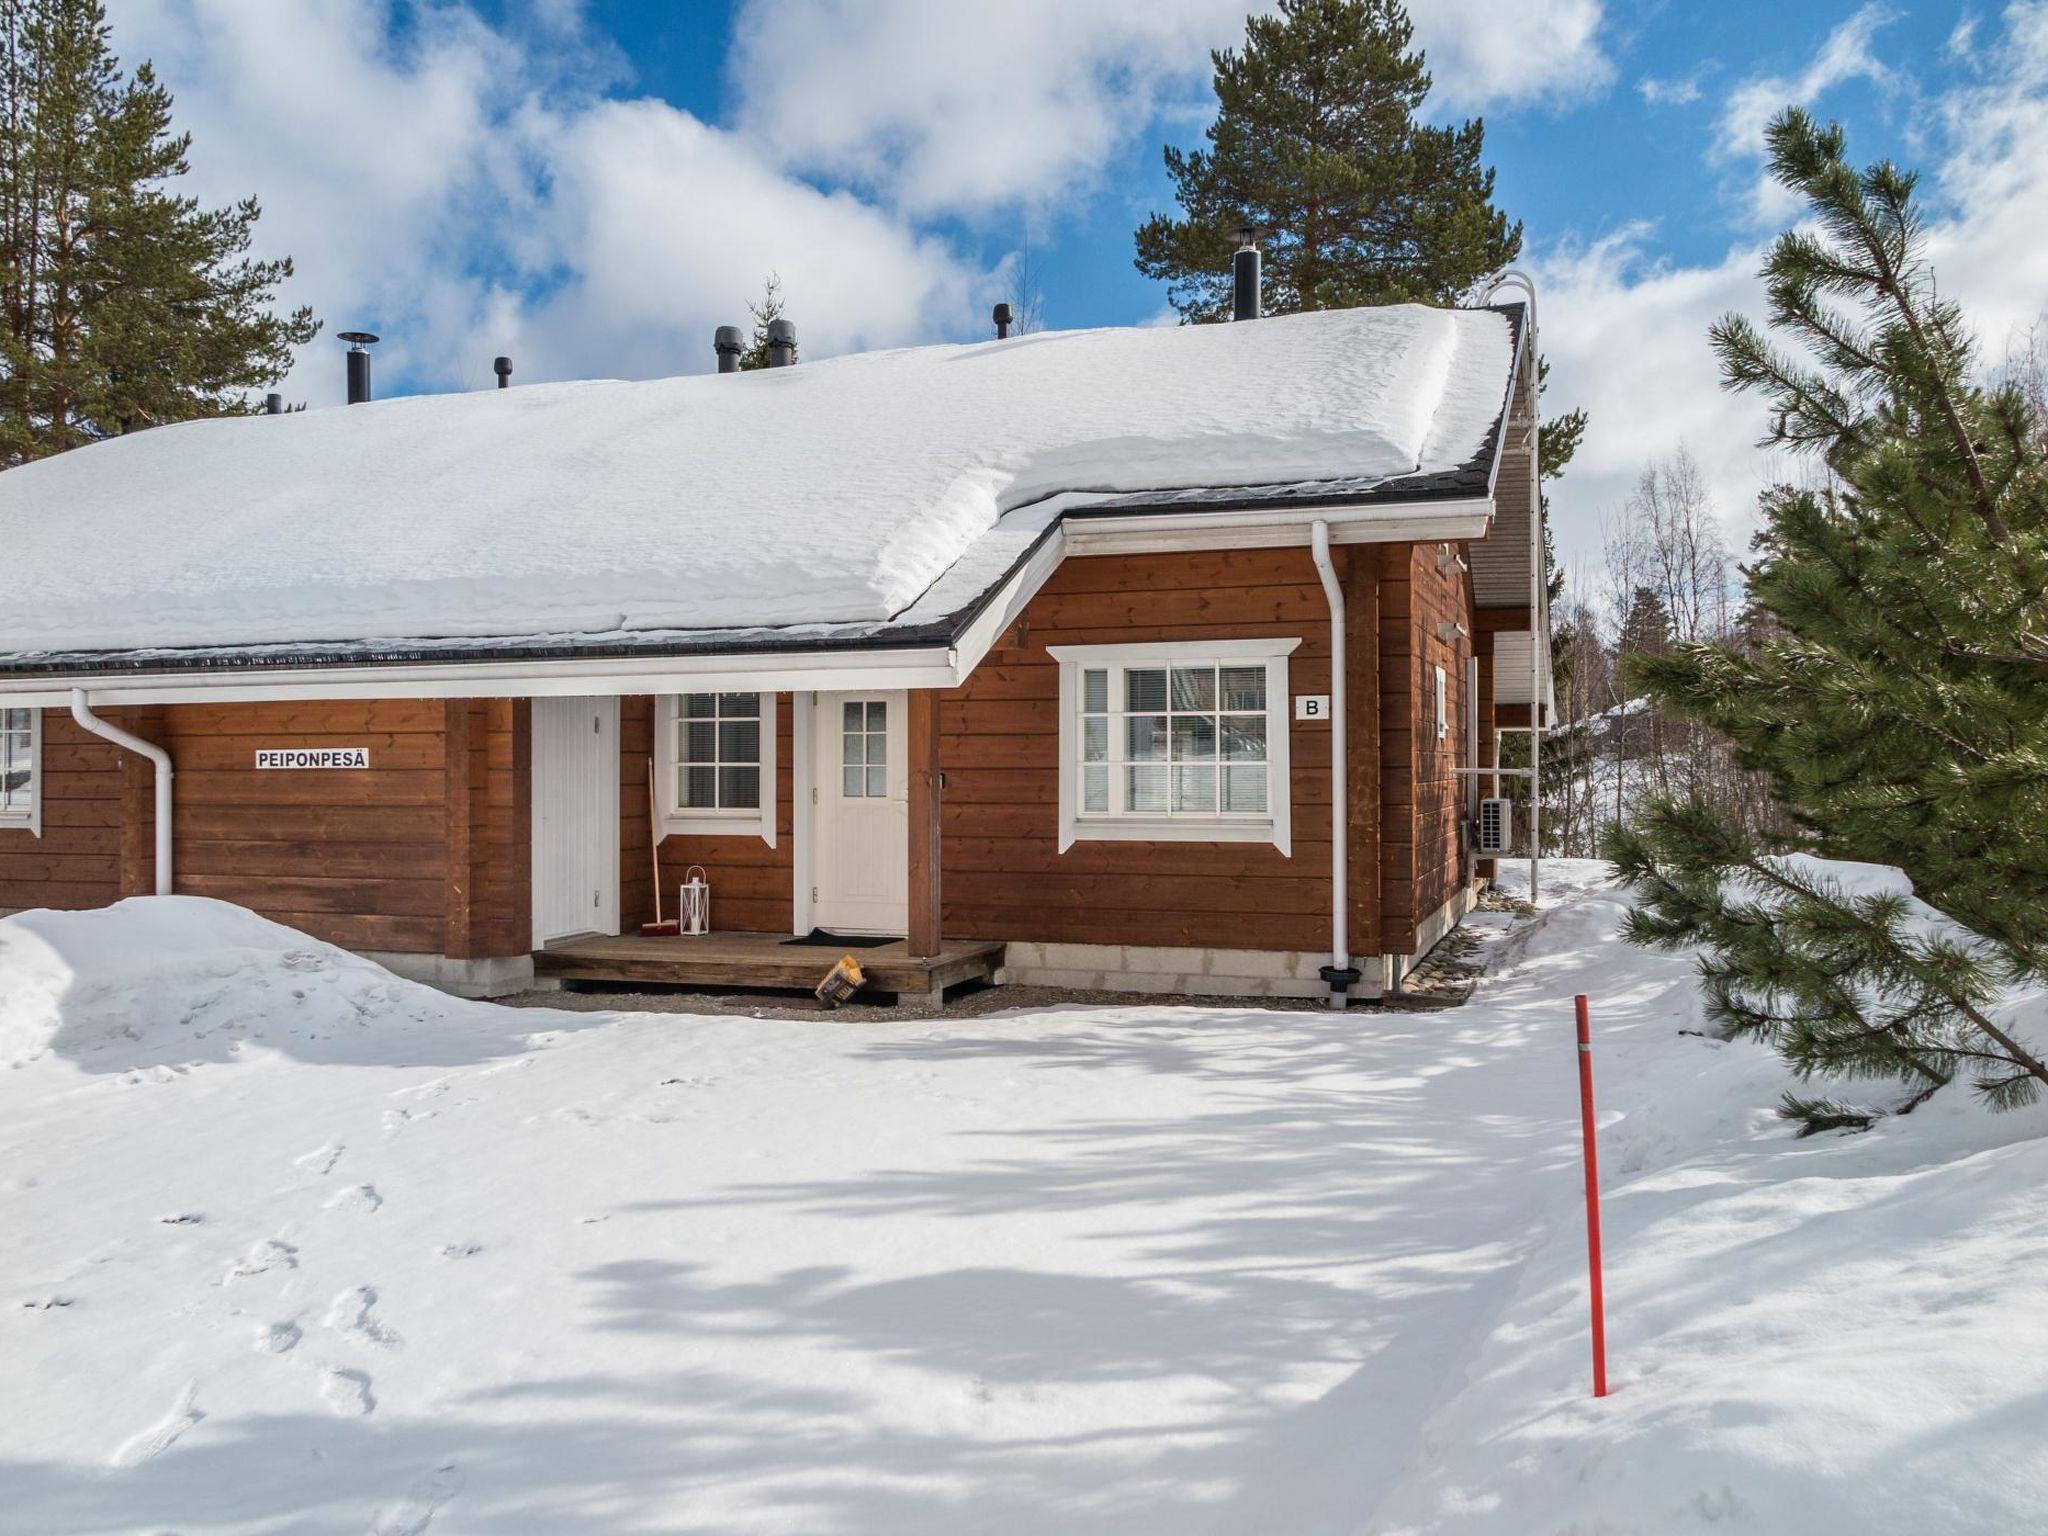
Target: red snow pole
1592, 1200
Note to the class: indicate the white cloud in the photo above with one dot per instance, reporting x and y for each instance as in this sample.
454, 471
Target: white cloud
1845, 55
1014, 103
1626, 337
468, 193
1679, 92
1491, 53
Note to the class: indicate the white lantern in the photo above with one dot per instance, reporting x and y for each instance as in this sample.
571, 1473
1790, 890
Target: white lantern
693, 912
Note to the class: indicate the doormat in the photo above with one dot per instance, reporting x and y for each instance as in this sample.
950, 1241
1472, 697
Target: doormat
818, 938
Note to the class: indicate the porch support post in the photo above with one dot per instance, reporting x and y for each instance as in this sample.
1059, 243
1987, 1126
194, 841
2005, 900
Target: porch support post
923, 746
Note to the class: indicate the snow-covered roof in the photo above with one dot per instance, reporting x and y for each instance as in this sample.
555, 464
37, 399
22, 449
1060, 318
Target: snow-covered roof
833, 493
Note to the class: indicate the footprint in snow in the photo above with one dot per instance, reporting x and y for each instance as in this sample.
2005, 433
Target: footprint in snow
46, 1303
396, 1120
347, 1393
460, 1250
362, 1198
350, 1313
278, 1338
163, 1434
321, 1159
264, 1257
182, 1219
410, 1515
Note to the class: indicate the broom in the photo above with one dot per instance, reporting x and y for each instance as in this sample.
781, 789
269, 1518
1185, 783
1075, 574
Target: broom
657, 928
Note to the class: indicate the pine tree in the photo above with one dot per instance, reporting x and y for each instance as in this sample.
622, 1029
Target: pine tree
125, 305
1318, 145
766, 310
1316, 141
1897, 695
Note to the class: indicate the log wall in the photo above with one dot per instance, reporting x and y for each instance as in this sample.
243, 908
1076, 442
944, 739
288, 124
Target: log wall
1004, 876
751, 883
424, 852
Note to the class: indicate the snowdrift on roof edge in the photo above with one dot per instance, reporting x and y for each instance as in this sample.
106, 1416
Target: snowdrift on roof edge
832, 492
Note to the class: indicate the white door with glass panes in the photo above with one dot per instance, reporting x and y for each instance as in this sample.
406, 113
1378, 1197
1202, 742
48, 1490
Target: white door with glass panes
860, 859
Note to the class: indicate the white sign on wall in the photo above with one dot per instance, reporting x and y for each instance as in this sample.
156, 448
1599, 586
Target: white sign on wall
1311, 706
313, 757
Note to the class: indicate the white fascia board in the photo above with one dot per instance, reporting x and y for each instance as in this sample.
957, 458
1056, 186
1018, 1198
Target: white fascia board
1276, 527
920, 667
1010, 601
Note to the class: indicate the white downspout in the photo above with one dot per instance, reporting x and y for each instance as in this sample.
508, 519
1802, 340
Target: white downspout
1520, 279
1340, 937
106, 729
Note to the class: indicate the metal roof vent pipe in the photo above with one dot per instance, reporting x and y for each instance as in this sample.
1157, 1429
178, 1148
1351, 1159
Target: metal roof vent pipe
1244, 275
273, 405
781, 343
728, 344
359, 344
502, 367
1003, 319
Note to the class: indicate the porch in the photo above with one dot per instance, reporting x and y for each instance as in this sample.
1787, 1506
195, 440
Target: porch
767, 960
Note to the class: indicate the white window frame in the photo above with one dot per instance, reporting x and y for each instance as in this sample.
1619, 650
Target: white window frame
1443, 705
1276, 827
679, 820
29, 817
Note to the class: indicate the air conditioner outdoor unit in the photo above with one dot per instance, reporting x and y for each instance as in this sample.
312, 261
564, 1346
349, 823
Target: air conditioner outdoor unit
1496, 827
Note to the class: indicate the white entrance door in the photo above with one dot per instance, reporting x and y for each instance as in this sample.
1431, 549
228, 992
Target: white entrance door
860, 858
575, 818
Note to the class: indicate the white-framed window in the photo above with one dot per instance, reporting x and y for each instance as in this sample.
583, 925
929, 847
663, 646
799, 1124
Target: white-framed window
1443, 706
715, 764
864, 749
1182, 741
21, 769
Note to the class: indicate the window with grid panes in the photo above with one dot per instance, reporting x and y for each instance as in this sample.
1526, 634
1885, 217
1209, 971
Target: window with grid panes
18, 767
864, 749
718, 752
1185, 741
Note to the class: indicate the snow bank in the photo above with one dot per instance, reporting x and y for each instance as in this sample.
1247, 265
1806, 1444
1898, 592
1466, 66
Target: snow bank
1096, 1270
835, 491
183, 979
1838, 1335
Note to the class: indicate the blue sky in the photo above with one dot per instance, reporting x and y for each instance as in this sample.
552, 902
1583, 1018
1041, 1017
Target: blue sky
592, 185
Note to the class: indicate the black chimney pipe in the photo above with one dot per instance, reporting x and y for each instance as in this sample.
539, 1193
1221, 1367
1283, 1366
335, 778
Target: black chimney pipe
726, 342
1244, 275
273, 405
1003, 318
359, 344
502, 367
781, 343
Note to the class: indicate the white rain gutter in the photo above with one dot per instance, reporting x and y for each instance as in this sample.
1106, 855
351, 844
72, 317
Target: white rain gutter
107, 730
1338, 973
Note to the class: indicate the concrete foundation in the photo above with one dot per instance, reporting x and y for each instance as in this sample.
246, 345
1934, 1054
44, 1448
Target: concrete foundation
495, 976
1164, 969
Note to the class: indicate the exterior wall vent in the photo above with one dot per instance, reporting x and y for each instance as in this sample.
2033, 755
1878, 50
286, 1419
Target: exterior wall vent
1496, 827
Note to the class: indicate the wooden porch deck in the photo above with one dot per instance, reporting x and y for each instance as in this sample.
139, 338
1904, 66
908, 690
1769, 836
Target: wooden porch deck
765, 960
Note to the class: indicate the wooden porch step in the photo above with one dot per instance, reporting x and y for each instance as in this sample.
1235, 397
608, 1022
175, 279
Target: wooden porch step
762, 960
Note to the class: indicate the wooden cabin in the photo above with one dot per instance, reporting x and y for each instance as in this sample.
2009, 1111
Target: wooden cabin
1010, 659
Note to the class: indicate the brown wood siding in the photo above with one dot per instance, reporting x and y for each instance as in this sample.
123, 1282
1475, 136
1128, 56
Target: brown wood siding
751, 883
359, 859
1003, 876
77, 860
487, 900
426, 852
1422, 795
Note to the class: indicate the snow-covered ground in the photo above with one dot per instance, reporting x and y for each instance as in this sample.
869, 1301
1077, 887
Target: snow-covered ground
291, 1245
